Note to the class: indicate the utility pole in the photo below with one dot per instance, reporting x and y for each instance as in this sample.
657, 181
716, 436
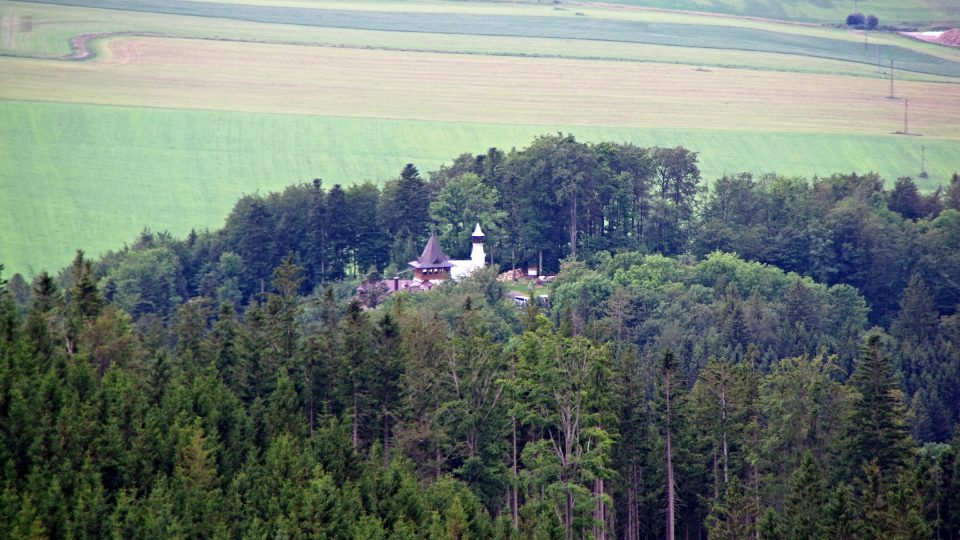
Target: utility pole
906, 110
891, 96
923, 161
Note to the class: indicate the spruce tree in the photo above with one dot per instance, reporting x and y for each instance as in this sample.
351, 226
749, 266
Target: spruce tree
879, 434
732, 517
806, 500
668, 391
85, 297
916, 323
357, 355
953, 193
42, 318
386, 379
839, 515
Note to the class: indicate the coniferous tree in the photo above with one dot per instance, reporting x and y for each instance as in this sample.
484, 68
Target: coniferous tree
252, 233
338, 237
194, 484
839, 515
386, 383
357, 355
916, 323
403, 212
255, 354
806, 500
282, 309
733, 517
906, 200
45, 317
364, 226
668, 391
223, 346
85, 298
879, 435
952, 198
318, 222
717, 410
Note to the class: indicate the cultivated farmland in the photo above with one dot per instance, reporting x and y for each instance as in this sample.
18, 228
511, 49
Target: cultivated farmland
889, 11
167, 111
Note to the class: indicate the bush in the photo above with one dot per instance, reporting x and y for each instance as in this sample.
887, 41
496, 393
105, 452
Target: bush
855, 19
872, 22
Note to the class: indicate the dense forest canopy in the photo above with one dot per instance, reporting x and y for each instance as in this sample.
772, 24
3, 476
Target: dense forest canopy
764, 358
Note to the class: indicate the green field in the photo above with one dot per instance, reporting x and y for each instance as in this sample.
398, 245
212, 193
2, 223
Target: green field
820, 11
183, 169
580, 28
155, 130
824, 11
56, 25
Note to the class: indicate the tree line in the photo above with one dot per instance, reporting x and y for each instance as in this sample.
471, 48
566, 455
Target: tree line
557, 198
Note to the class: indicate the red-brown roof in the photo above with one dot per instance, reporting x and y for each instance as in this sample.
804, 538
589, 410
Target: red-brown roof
432, 256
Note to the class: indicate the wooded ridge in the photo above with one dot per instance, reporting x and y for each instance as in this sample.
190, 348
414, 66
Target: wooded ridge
767, 358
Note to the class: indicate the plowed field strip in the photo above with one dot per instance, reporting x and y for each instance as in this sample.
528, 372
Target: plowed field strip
203, 74
583, 28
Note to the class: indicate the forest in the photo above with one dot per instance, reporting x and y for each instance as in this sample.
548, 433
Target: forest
760, 357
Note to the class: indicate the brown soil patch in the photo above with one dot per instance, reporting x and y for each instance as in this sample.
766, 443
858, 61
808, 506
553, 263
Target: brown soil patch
80, 45
950, 37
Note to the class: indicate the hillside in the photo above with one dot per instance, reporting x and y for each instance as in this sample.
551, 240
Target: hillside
211, 100
775, 357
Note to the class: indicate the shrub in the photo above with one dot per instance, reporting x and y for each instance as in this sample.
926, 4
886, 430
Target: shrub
855, 19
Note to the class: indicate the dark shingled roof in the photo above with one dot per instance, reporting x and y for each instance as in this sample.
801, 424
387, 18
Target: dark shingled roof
432, 256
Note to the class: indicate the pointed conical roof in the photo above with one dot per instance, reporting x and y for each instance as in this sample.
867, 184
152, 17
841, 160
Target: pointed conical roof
477, 231
432, 256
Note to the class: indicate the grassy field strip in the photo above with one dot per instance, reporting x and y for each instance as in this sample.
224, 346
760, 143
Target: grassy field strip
889, 11
601, 13
52, 27
92, 177
656, 11
252, 77
721, 37
55, 25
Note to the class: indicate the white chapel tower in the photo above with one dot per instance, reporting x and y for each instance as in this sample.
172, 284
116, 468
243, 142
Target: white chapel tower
477, 255
477, 260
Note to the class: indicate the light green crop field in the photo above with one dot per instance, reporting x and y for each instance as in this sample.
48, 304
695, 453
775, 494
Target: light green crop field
119, 170
54, 26
163, 120
889, 11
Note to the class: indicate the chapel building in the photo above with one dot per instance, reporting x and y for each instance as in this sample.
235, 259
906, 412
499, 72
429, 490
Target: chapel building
435, 266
